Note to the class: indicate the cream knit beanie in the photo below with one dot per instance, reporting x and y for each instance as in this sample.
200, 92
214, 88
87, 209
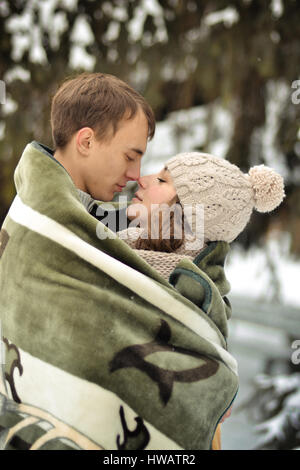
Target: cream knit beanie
227, 194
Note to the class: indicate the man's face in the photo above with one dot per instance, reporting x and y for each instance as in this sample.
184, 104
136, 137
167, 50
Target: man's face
111, 163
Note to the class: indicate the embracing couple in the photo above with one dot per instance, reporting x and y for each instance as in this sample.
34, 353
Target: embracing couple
118, 339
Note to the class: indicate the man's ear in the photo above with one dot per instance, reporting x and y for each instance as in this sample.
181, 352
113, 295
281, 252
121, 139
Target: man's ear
84, 138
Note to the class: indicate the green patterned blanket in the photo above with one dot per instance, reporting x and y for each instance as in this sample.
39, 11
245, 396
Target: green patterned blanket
99, 351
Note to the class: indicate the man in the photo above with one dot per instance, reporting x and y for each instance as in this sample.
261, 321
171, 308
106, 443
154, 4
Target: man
103, 136
81, 312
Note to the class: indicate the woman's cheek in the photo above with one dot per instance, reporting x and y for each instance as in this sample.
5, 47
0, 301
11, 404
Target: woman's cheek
156, 197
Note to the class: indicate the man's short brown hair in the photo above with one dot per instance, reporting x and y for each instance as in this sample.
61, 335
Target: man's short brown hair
95, 100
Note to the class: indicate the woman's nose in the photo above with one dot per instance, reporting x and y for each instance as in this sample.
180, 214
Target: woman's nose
146, 181
142, 182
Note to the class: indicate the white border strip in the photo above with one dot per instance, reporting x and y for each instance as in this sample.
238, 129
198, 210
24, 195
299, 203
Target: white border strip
137, 282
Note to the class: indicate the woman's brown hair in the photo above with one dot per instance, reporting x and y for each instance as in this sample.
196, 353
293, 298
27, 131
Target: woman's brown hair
168, 230
95, 100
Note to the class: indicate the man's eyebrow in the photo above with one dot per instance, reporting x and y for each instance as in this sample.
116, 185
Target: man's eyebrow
140, 152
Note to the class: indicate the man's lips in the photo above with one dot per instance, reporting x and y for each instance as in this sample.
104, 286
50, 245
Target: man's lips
120, 187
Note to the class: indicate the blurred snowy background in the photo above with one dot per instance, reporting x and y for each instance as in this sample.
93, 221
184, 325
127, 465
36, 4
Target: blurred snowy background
222, 77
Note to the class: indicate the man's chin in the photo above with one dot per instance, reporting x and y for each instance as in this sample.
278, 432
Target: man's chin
108, 195
102, 197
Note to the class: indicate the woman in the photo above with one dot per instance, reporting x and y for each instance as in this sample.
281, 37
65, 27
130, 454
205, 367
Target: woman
195, 181
195, 199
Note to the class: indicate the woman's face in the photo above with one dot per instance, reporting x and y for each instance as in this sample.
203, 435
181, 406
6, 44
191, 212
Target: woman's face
153, 189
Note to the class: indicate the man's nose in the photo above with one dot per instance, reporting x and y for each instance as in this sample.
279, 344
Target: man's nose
133, 173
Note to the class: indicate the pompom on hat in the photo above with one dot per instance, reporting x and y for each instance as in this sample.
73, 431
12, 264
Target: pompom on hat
227, 194
267, 186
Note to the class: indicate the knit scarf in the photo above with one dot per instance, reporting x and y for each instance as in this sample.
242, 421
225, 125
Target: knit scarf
161, 261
